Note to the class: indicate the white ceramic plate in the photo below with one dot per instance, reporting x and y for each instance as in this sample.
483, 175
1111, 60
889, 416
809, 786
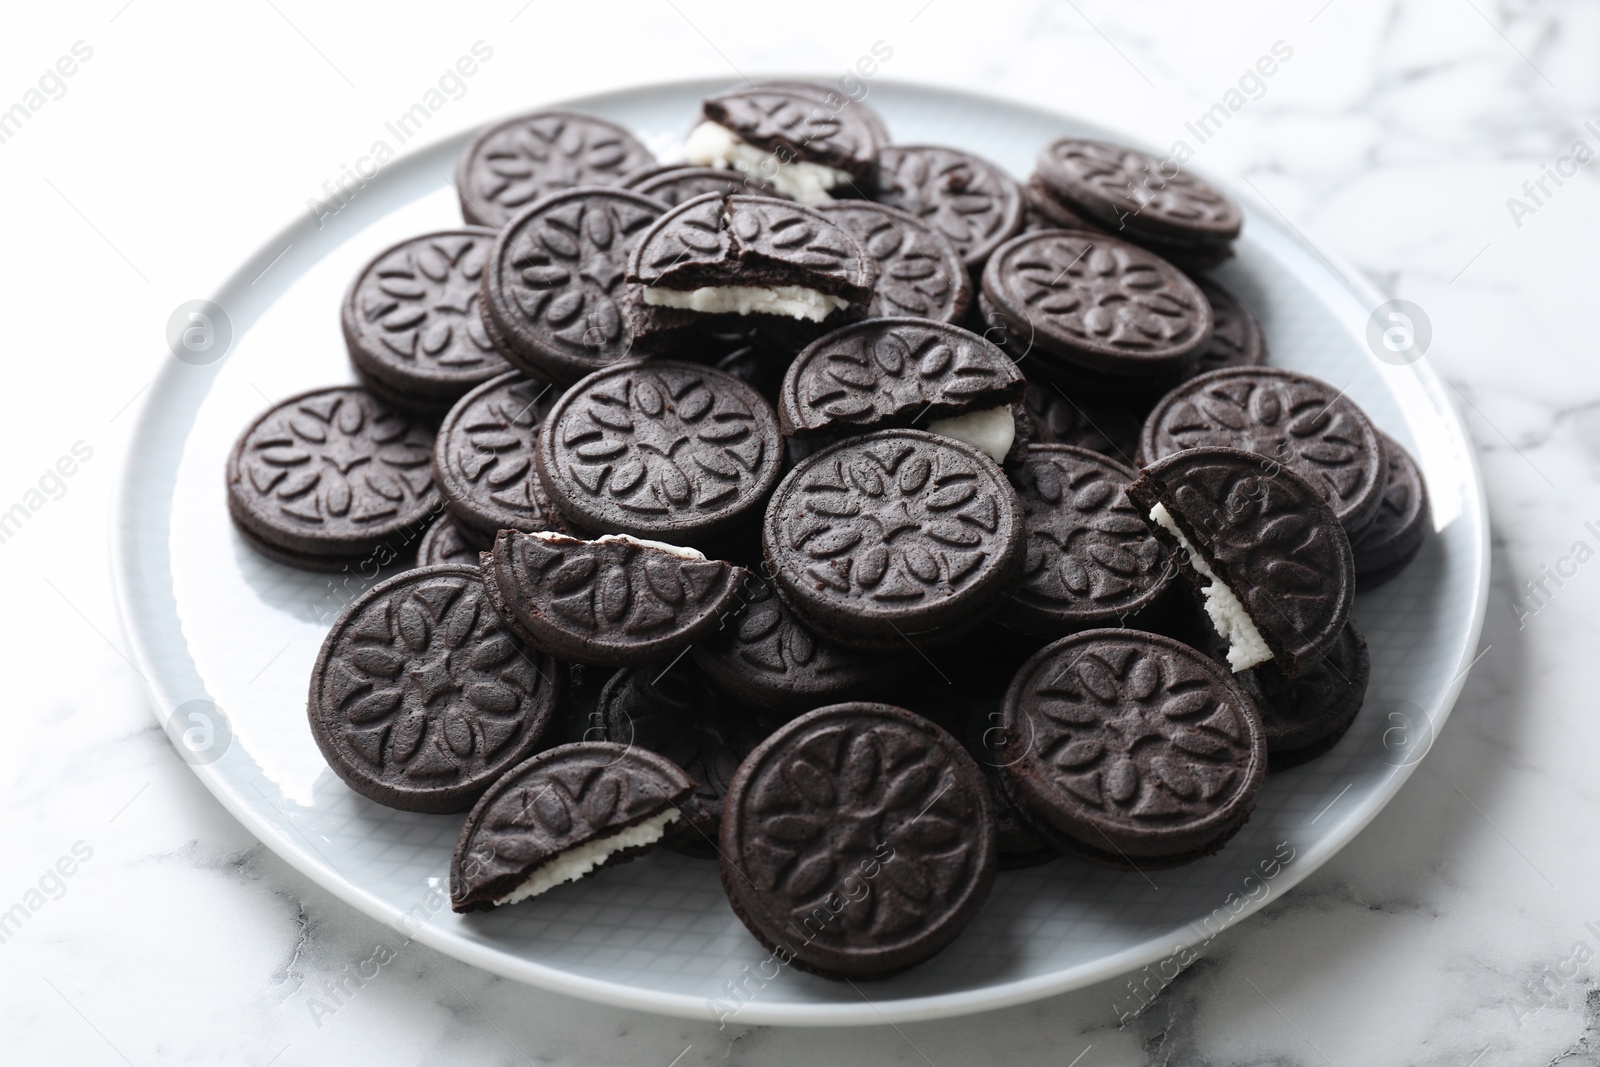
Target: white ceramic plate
212, 622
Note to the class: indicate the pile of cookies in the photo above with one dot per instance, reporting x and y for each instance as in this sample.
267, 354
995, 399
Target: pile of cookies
850, 514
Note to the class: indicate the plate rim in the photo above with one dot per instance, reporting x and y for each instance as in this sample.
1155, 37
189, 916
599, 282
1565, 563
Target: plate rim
909, 1009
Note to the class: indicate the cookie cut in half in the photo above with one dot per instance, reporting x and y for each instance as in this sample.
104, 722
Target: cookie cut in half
560, 816
1260, 546
780, 135
616, 601
885, 373
720, 259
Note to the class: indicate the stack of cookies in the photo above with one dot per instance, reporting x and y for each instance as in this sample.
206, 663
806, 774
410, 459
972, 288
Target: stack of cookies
850, 514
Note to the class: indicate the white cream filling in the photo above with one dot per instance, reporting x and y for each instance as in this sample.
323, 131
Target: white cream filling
552, 537
1246, 647
791, 301
711, 145
574, 863
992, 431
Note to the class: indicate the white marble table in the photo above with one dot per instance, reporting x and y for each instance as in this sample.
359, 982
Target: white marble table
1460, 928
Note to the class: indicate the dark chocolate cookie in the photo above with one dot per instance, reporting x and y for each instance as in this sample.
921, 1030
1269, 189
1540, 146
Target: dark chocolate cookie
420, 699
611, 602
1091, 561
516, 162
1305, 717
860, 838
765, 656
1098, 304
674, 713
552, 289
447, 542
1131, 750
332, 477
1136, 194
1237, 339
718, 259
1083, 420
672, 185
790, 125
883, 373
1267, 536
920, 274
483, 458
673, 451
411, 319
834, 101
968, 199
562, 815
896, 537
1393, 538
1293, 419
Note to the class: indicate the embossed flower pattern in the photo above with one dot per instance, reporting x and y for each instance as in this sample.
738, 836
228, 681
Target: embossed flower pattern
1106, 293
1137, 735
969, 200
1302, 425
563, 271
1135, 182
894, 523
428, 682
338, 459
870, 374
1086, 543
823, 816
421, 303
526, 160
663, 442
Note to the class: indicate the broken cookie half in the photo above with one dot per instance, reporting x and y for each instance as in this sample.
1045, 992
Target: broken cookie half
782, 136
911, 373
612, 602
1261, 548
560, 816
725, 259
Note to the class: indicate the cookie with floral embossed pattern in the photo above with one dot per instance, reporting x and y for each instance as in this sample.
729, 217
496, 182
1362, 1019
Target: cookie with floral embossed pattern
420, 698
1093, 303
920, 273
483, 459
1237, 339
561, 816
411, 320
332, 477
720, 260
1260, 547
673, 451
860, 838
1291, 419
894, 538
767, 657
553, 286
1138, 196
1128, 749
784, 136
1091, 561
612, 602
514, 163
903, 372
963, 196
